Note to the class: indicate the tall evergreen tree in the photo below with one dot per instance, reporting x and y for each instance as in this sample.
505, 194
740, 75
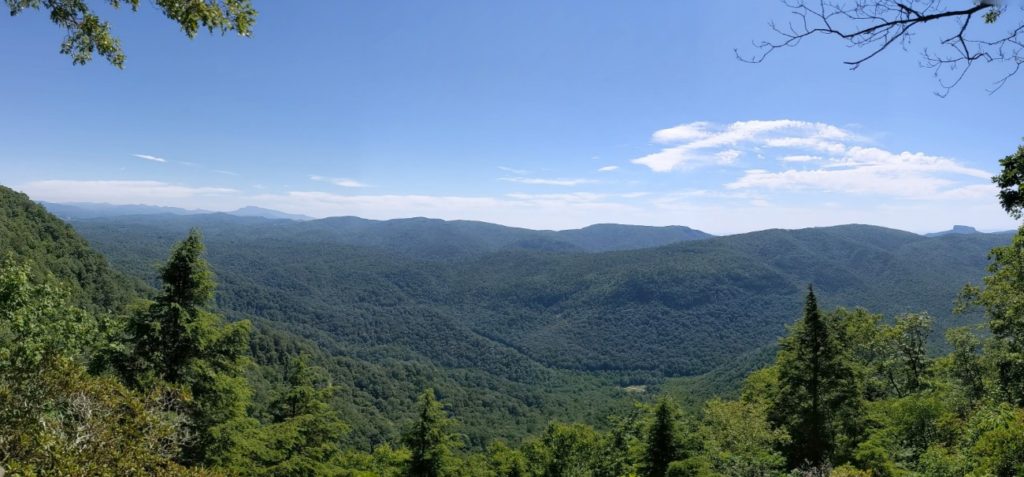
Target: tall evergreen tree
430, 440
662, 440
817, 391
305, 435
179, 345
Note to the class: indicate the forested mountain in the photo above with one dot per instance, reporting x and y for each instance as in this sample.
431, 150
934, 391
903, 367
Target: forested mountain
680, 309
251, 211
957, 229
29, 233
344, 336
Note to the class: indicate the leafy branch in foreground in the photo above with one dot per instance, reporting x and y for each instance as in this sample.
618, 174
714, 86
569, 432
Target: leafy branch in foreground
87, 33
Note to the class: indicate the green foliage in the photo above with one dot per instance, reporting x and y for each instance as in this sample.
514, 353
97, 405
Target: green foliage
389, 308
431, 440
1009, 181
818, 397
87, 33
1003, 300
505, 461
850, 393
177, 343
738, 441
569, 450
55, 419
304, 437
662, 441
52, 250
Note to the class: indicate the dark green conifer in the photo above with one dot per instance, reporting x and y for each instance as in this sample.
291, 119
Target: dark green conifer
817, 393
662, 440
178, 345
430, 440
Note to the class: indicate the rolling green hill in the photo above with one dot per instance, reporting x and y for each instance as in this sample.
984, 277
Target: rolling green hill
29, 233
680, 309
513, 327
376, 386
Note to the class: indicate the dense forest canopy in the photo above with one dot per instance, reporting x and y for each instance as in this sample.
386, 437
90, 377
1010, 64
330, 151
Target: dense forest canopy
179, 390
694, 305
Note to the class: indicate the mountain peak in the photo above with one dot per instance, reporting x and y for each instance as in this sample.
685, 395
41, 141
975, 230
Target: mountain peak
253, 211
956, 230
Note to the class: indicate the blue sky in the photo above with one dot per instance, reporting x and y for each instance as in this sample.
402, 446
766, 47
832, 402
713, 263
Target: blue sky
530, 113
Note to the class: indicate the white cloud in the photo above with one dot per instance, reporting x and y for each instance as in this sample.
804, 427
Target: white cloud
800, 158
683, 132
554, 182
339, 181
876, 171
805, 143
608, 169
704, 143
728, 156
149, 158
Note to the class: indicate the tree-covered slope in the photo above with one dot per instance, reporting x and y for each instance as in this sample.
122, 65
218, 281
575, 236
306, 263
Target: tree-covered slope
29, 233
681, 309
418, 238
376, 382
609, 237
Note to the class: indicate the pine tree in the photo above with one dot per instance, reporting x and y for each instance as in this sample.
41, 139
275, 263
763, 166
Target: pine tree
817, 392
305, 435
178, 345
662, 441
430, 440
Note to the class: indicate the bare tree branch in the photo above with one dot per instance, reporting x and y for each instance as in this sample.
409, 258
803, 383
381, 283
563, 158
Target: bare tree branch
875, 25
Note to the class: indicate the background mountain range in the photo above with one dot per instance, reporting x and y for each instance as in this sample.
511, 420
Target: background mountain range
514, 327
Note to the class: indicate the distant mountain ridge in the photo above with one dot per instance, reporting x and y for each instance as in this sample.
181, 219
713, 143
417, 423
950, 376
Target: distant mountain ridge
553, 297
253, 211
417, 237
92, 210
956, 230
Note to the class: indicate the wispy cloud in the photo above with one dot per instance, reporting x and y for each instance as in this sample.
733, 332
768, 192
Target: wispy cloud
800, 158
227, 173
875, 171
148, 157
552, 182
339, 181
518, 172
703, 143
608, 169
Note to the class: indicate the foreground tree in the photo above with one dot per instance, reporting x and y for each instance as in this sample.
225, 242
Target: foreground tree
1002, 298
738, 440
55, 419
431, 440
1009, 181
817, 398
662, 440
177, 345
305, 435
565, 450
969, 34
87, 33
